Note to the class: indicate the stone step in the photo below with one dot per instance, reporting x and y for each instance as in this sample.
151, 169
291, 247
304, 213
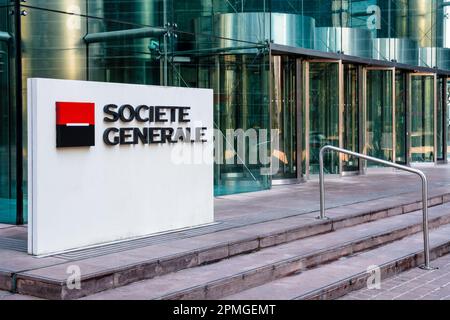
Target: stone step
121, 268
339, 278
243, 272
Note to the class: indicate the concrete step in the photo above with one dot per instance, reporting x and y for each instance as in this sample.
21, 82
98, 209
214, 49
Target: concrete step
230, 276
47, 279
339, 278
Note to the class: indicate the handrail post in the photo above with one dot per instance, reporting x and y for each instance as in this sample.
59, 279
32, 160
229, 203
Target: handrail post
426, 237
322, 184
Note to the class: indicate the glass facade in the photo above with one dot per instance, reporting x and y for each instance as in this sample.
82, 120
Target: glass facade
8, 204
351, 115
401, 117
289, 76
284, 115
447, 118
323, 114
422, 118
440, 116
380, 114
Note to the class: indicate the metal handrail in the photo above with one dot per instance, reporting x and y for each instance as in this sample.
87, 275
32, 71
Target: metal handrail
426, 238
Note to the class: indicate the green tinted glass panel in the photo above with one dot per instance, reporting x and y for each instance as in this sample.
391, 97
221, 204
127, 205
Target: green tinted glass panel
440, 119
351, 116
422, 118
447, 121
283, 116
379, 115
324, 114
241, 91
400, 117
7, 159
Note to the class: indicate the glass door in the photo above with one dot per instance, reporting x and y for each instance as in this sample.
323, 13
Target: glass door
323, 114
285, 118
447, 121
441, 121
423, 101
241, 117
351, 119
401, 117
380, 114
7, 175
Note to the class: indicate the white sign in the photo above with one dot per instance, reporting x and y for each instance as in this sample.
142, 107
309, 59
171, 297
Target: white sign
110, 162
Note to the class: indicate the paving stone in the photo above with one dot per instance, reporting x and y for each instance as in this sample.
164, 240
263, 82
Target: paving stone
16, 261
423, 285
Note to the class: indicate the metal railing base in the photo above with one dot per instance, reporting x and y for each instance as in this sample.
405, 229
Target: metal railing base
424, 267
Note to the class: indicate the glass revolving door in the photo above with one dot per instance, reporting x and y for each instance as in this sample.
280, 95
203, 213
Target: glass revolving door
324, 101
423, 117
284, 118
351, 117
7, 145
380, 114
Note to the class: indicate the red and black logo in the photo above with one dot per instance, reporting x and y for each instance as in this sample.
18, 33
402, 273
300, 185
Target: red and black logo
75, 124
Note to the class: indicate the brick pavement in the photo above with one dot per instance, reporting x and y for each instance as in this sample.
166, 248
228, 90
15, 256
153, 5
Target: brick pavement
415, 284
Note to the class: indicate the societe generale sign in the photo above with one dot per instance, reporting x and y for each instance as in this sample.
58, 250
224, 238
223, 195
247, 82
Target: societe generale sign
102, 162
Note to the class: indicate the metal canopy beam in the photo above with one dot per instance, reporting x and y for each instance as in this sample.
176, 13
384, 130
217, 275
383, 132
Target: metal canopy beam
339, 56
124, 34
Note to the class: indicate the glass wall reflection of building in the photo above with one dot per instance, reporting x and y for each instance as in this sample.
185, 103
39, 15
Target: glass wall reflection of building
289, 76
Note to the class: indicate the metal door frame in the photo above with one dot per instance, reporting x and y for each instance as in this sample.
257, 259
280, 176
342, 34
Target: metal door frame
443, 94
306, 109
361, 97
364, 116
409, 109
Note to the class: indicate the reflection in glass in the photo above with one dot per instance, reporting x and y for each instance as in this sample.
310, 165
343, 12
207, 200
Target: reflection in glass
324, 114
447, 121
351, 116
7, 157
422, 118
400, 117
440, 118
241, 114
284, 115
379, 113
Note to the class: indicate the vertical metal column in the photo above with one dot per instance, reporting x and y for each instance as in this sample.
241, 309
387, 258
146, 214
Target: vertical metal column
341, 114
435, 119
299, 118
361, 117
394, 124
408, 119
165, 74
306, 115
444, 119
